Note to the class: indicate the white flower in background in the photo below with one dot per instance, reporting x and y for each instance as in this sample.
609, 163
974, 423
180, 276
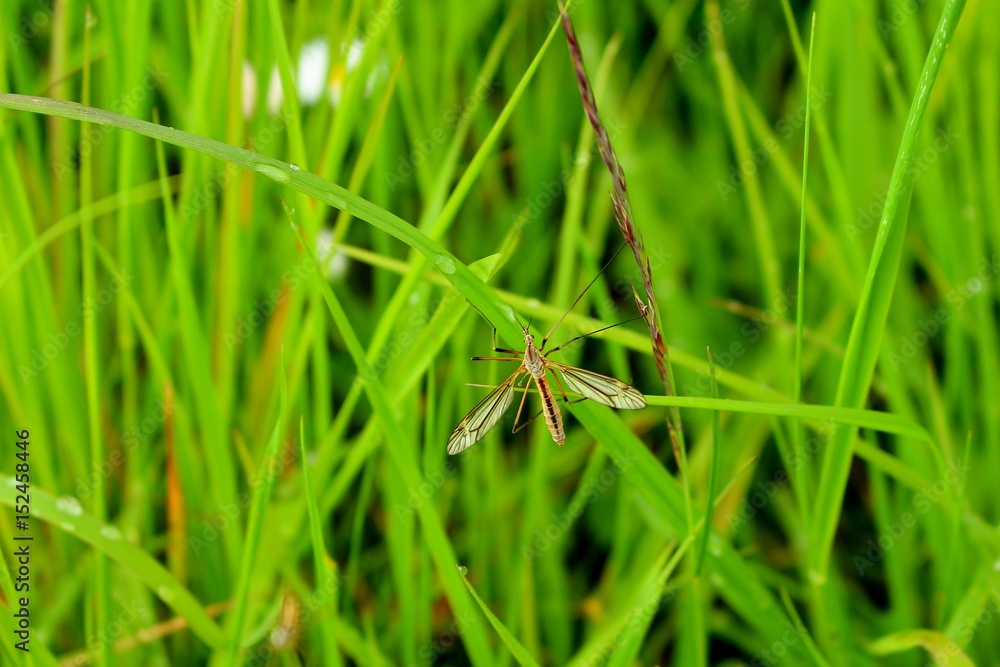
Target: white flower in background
249, 89
354, 53
275, 94
310, 78
314, 75
335, 266
352, 58
314, 64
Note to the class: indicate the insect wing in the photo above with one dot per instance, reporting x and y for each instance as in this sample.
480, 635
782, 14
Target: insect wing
600, 388
483, 417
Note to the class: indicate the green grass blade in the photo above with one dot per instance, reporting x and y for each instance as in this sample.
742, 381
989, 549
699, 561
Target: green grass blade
940, 647
261, 485
737, 583
872, 311
401, 450
453, 270
323, 570
519, 652
878, 421
66, 514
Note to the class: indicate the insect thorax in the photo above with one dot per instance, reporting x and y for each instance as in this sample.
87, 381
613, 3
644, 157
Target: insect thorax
533, 362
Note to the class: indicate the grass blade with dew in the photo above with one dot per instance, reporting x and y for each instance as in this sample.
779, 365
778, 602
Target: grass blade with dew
457, 273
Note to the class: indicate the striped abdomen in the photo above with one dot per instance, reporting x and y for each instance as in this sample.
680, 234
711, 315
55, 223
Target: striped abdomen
551, 411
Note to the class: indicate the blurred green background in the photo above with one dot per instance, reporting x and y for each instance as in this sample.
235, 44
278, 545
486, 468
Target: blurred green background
237, 455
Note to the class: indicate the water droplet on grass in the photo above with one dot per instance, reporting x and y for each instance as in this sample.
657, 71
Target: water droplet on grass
111, 533
293, 166
462, 570
444, 264
69, 505
272, 172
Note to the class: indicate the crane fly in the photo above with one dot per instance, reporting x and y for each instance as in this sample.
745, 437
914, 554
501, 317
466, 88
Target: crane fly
535, 365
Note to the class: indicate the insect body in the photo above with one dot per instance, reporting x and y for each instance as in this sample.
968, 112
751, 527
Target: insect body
594, 386
535, 363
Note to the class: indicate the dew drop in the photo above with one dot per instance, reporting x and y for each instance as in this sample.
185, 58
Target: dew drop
69, 505
532, 303
67, 526
111, 533
164, 593
462, 570
293, 166
444, 263
272, 172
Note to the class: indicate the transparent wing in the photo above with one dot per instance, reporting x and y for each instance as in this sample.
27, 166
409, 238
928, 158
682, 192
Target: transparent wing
484, 416
600, 388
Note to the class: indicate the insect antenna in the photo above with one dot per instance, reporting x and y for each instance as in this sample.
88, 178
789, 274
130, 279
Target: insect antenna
576, 338
577, 300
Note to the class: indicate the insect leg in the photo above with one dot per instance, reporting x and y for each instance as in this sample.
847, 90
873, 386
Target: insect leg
519, 408
561, 389
502, 349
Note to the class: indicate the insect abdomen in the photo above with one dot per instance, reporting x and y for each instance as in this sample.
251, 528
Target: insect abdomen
553, 419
